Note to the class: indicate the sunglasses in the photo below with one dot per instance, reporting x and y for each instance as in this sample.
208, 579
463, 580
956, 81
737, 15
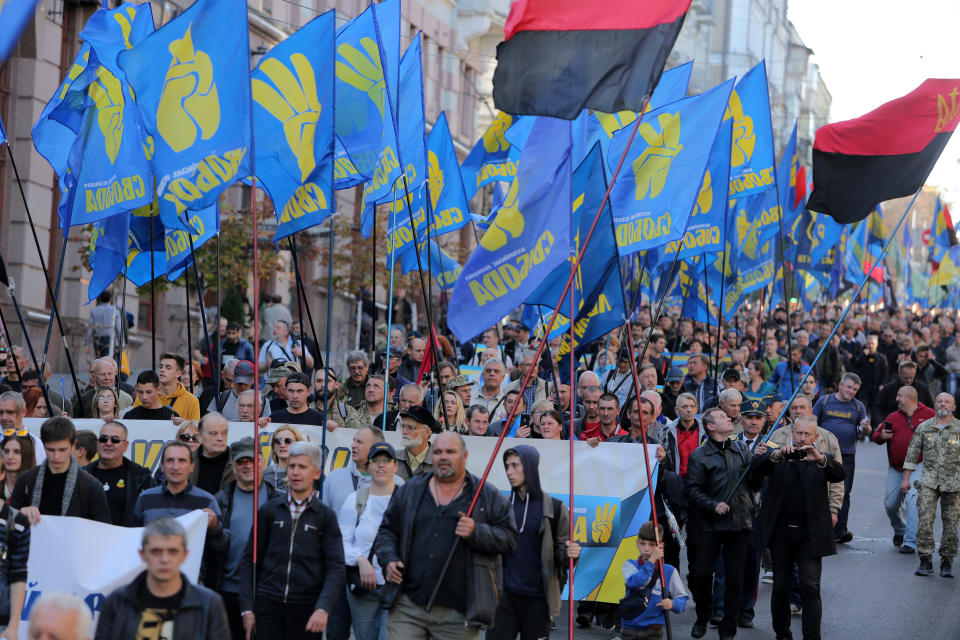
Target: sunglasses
286, 441
187, 437
18, 432
113, 439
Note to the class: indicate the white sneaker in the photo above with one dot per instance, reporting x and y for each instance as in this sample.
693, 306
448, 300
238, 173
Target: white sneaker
795, 610
767, 577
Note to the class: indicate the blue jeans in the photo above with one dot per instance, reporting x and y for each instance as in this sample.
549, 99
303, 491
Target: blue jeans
895, 500
369, 619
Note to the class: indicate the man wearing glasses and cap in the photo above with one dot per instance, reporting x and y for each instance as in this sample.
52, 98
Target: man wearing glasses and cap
122, 479
242, 381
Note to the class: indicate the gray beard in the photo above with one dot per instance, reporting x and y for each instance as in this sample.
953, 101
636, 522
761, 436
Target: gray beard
944, 413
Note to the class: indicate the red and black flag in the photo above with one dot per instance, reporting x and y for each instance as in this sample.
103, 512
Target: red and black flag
559, 57
887, 153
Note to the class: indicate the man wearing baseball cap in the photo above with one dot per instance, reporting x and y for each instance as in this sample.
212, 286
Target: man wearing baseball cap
242, 380
417, 424
672, 388
462, 386
297, 411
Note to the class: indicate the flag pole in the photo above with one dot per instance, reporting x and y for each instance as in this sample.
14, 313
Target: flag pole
326, 357
216, 385
291, 240
302, 292
186, 284
203, 323
46, 276
526, 379
571, 436
373, 290
826, 342
153, 299
11, 289
56, 292
256, 352
386, 362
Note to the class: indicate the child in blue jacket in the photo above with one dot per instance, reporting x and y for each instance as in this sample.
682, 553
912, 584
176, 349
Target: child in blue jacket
637, 575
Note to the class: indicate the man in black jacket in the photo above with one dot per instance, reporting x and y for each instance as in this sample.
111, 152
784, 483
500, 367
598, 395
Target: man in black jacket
58, 486
906, 377
795, 523
718, 519
424, 523
122, 479
161, 602
300, 556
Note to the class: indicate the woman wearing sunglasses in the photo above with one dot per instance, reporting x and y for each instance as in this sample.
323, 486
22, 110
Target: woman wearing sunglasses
18, 456
276, 471
188, 433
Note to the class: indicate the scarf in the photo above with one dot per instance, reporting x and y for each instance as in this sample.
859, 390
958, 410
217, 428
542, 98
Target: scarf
68, 486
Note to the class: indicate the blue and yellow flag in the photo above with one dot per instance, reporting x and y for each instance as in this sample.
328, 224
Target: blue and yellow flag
146, 237
192, 82
815, 235
14, 16
864, 245
293, 126
440, 264
448, 205
654, 194
108, 252
527, 240
493, 158
366, 68
942, 233
751, 155
3, 132
176, 244
671, 87
705, 229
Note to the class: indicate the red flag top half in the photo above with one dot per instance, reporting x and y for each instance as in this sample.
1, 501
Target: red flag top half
559, 57
885, 154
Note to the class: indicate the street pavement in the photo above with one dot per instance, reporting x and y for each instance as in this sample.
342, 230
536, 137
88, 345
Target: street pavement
868, 588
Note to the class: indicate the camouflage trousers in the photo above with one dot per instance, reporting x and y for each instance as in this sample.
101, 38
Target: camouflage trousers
949, 515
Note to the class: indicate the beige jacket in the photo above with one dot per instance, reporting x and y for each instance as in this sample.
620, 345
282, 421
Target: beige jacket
826, 444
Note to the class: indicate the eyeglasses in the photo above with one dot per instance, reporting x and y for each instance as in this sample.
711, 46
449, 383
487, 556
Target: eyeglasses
286, 441
189, 437
17, 432
115, 439
243, 461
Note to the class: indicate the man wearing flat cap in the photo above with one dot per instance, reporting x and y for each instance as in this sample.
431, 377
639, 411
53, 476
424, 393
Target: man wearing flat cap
417, 425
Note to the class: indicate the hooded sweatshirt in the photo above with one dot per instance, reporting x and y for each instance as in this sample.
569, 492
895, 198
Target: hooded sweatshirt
182, 401
522, 567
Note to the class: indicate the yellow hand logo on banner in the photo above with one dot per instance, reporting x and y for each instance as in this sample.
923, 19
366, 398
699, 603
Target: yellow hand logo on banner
107, 94
434, 178
744, 139
126, 24
507, 224
296, 105
189, 100
653, 165
747, 236
73, 73
494, 138
364, 71
613, 122
705, 197
602, 527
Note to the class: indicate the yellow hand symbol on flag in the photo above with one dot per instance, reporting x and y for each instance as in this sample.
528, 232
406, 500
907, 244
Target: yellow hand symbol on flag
747, 236
434, 178
296, 105
363, 70
602, 527
506, 225
107, 94
744, 139
189, 99
653, 165
126, 24
705, 197
494, 138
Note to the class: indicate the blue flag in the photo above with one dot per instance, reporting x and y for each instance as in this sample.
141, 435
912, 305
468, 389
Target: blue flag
3, 132
108, 252
192, 82
177, 245
671, 87
110, 31
493, 158
817, 234
705, 229
14, 16
751, 155
448, 204
527, 240
293, 126
366, 68
654, 194
441, 265
142, 244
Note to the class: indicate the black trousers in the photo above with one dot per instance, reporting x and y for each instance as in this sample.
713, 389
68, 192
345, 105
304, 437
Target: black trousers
231, 602
707, 549
789, 546
278, 621
528, 617
850, 466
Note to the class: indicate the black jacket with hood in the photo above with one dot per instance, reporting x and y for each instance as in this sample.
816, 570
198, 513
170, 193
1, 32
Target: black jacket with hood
553, 530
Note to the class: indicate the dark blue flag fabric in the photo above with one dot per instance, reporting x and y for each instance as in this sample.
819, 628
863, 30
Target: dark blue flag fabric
441, 265
366, 63
191, 78
108, 252
3, 133
206, 221
493, 158
751, 155
527, 240
143, 222
654, 193
705, 229
293, 126
14, 16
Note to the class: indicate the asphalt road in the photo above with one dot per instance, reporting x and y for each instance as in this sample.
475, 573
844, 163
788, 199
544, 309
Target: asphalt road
868, 588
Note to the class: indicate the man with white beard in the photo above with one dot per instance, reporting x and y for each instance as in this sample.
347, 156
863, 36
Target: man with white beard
417, 424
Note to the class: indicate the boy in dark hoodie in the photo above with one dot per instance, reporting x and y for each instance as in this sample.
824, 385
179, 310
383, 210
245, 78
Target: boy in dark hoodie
638, 573
534, 572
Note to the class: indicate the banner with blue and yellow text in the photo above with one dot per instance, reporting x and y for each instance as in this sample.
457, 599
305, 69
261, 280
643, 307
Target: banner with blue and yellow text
751, 154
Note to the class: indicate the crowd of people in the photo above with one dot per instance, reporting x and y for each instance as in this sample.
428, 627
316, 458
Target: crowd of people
756, 450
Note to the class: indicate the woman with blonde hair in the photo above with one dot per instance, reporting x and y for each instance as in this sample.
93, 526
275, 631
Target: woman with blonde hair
276, 471
536, 413
105, 404
452, 409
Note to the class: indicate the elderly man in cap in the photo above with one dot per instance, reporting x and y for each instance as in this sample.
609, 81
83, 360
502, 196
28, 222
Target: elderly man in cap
352, 389
417, 425
242, 380
672, 388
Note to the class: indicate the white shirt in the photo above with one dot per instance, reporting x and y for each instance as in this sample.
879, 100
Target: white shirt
358, 537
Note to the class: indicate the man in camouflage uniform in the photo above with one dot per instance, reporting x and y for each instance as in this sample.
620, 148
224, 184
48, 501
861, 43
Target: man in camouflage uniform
339, 413
938, 441
370, 412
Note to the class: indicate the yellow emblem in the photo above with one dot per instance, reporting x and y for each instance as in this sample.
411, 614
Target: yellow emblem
651, 168
363, 70
434, 178
744, 138
189, 99
507, 224
107, 94
495, 138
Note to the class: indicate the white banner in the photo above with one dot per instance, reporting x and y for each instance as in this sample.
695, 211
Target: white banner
609, 484
91, 559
